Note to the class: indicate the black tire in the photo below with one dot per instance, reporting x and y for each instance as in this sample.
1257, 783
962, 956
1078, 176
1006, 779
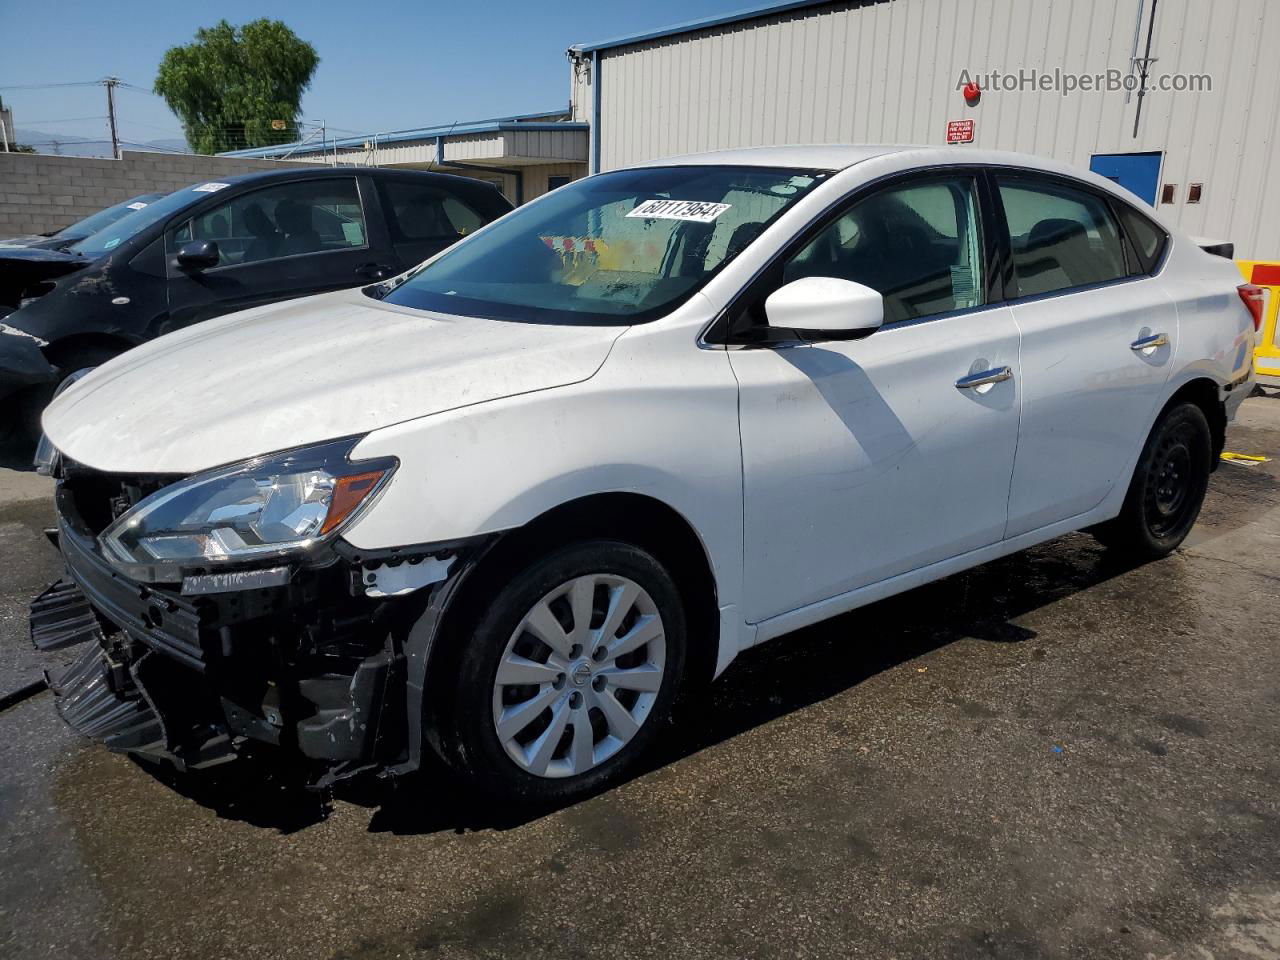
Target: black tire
465, 702
1167, 489
69, 362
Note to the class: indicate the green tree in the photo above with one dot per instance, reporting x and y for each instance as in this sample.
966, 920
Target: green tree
231, 83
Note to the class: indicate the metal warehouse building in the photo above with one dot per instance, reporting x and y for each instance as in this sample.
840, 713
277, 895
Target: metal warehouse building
1198, 142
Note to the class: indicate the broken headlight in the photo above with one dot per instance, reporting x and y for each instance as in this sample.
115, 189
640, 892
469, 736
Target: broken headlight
260, 509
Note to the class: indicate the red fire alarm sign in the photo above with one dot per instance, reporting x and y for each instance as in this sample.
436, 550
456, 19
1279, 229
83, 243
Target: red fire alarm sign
960, 131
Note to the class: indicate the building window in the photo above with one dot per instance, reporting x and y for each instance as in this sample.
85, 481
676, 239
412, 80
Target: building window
555, 183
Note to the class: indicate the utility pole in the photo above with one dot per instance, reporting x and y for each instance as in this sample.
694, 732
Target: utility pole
110, 84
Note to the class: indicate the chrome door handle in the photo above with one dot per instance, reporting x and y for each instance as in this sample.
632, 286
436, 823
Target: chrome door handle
1150, 343
984, 377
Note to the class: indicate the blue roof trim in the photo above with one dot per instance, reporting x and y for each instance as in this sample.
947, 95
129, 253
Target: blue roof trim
498, 124
751, 13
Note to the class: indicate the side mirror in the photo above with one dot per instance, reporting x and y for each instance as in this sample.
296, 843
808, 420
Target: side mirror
826, 308
198, 255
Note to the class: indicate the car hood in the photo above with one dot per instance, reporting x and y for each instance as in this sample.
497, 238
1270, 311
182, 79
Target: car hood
25, 240
301, 372
23, 267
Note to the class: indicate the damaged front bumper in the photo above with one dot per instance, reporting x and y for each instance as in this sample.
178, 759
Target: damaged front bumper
327, 668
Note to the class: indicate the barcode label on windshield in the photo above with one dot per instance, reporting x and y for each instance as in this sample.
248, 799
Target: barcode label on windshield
695, 210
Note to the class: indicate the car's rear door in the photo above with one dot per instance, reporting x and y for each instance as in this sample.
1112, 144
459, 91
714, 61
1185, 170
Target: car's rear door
276, 241
865, 460
1098, 341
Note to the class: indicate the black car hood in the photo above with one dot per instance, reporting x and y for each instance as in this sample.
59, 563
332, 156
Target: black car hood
37, 242
23, 267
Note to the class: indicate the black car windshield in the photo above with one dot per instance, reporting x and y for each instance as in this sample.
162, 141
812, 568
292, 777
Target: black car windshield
619, 248
104, 218
106, 240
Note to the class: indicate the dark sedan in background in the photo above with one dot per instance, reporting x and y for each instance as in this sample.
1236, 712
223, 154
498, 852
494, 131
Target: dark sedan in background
214, 248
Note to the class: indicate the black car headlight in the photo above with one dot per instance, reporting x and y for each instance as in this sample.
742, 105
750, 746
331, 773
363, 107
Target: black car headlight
279, 506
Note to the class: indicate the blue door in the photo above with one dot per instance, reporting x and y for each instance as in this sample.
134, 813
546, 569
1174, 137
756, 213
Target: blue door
1139, 173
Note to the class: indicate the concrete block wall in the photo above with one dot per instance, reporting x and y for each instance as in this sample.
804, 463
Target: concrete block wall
42, 194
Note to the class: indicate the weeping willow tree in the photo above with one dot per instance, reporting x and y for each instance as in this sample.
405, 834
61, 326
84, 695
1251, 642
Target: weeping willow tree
237, 87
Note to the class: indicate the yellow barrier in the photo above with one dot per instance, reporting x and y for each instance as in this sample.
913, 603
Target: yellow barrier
1266, 357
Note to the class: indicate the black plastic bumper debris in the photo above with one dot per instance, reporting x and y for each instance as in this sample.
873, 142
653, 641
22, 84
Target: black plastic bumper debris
86, 700
62, 617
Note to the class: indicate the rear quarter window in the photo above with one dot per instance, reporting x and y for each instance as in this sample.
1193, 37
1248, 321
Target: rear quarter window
1146, 238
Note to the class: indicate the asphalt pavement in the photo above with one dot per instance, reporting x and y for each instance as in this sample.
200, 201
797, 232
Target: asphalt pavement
1049, 756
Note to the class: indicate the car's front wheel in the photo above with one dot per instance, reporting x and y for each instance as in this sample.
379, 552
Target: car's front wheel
1168, 487
568, 675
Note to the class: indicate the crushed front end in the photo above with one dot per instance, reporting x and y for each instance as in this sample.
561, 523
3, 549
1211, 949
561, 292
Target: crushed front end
304, 657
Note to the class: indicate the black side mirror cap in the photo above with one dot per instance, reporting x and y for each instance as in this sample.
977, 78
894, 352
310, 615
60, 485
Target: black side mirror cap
198, 255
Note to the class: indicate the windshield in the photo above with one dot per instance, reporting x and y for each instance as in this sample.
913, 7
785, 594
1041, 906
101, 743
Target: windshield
104, 218
618, 248
106, 240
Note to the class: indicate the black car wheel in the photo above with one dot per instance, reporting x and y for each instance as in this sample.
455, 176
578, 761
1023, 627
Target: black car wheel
1167, 489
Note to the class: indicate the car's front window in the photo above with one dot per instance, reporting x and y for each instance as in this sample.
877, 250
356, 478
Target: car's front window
623, 247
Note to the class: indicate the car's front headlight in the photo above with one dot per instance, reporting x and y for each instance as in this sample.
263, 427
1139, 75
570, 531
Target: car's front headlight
270, 507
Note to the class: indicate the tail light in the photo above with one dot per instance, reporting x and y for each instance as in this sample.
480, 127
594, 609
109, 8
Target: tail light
1254, 297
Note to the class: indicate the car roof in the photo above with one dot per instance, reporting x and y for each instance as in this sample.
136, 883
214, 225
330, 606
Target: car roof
832, 156
320, 171
839, 156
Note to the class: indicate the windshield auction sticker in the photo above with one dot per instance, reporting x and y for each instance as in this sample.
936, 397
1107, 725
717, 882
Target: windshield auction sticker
695, 210
210, 187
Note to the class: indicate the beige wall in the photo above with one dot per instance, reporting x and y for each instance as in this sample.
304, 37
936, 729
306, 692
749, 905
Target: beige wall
42, 194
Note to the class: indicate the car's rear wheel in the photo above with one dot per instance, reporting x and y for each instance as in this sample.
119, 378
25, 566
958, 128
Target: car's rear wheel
569, 674
1168, 486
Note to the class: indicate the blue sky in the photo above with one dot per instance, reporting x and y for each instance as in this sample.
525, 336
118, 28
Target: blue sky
383, 66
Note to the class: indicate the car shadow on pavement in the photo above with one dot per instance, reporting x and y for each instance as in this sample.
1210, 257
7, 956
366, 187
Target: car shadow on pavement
763, 684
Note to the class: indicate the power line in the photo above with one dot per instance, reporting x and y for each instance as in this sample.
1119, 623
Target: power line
133, 88
49, 86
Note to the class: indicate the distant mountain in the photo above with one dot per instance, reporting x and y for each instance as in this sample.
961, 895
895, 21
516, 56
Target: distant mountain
174, 145
69, 145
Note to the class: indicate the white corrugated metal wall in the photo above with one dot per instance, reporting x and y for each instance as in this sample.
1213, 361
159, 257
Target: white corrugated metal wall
886, 71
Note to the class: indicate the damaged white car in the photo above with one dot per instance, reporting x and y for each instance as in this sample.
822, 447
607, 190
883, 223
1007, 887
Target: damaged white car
506, 506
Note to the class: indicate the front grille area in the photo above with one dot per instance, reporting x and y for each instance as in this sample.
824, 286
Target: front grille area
99, 498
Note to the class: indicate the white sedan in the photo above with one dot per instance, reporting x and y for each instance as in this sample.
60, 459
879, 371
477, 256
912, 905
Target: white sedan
504, 507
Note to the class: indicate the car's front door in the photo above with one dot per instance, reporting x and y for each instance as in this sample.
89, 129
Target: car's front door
1098, 339
275, 242
868, 459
